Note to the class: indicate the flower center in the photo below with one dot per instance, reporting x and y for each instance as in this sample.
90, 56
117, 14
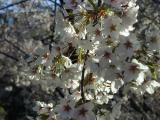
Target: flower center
83, 111
128, 44
107, 55
89, 79
112, 28
133, 68
153, 39
67, 108
98, 32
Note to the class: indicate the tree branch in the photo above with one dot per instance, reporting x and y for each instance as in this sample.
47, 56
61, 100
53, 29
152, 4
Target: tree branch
9, 56
82, 77
156, 1
18, 48
13, 4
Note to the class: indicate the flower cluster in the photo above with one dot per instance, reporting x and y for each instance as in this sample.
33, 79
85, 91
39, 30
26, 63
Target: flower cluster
66, 110
92, 56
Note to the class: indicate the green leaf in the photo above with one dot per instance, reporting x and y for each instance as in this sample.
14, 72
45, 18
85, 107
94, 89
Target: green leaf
44, 117
2, 113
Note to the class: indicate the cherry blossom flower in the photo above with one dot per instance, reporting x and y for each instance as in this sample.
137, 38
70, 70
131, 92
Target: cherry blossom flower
104, 31
127, 46
84, 112
112, 26
72, 4
65, 109
114, 3
153, 39
134, 69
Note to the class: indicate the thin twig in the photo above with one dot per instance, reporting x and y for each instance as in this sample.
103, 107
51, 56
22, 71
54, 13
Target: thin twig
18, 48
55, 2
82, 77
9, 56
13, 4
99, 3
156, 1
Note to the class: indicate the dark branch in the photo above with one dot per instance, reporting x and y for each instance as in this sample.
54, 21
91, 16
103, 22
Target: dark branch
99, 3
15, 46
156, 1
83, 77
9, 56
13, 4
56, 4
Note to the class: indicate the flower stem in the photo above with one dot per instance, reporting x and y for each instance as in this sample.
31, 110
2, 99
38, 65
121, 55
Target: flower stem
82, 78
92, 3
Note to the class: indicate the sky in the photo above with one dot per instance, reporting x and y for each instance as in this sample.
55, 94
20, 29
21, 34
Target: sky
10, 21
44, 3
